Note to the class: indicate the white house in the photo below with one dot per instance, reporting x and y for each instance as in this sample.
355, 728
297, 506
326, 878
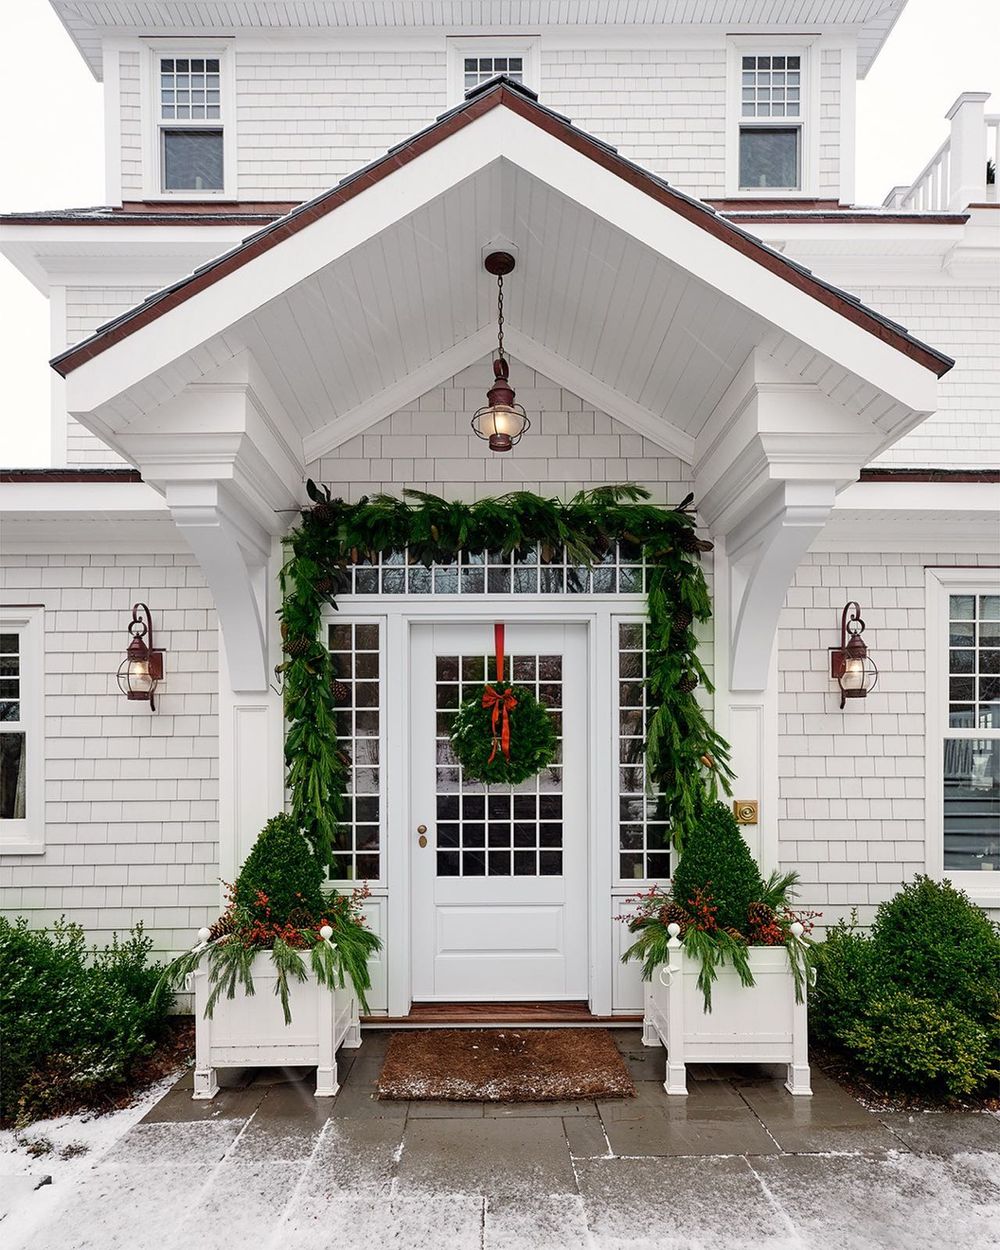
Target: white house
287, 282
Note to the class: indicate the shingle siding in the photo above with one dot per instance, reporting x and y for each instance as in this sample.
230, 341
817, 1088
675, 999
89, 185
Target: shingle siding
131, 796
852, 786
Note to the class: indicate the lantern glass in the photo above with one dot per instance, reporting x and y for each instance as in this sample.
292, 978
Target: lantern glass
500, 419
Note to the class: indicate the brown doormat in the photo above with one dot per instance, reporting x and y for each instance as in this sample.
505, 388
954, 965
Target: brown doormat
504, 1065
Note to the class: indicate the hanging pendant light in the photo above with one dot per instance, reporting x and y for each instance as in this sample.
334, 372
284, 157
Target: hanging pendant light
501, 422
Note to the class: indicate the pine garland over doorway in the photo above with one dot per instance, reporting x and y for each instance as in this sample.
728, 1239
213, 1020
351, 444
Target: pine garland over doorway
686, 760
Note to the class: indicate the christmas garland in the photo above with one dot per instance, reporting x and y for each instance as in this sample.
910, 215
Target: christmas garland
686, 760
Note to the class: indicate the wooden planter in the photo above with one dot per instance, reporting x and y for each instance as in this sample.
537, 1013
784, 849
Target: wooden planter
761, 1023
250, 1031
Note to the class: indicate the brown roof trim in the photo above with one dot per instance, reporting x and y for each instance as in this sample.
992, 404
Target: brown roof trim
930, 475
271, 208
70, 475
797, 203
502, 94
851, 216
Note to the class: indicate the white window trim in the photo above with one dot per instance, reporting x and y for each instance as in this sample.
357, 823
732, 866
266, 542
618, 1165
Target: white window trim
526, 46
27, 836
152, 124
940, 583
808, 123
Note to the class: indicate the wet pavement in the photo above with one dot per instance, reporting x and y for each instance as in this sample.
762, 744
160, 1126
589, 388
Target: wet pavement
738, 1164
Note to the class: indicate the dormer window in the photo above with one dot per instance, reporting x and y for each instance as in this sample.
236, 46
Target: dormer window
480, 69
191, 146
475, 59
189, 130
770, 122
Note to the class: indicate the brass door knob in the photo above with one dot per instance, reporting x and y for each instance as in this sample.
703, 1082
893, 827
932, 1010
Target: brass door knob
421, 828
422, 840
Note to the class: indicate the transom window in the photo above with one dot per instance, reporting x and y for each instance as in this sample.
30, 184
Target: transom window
770, 138
534, 571
190, 130
480, 69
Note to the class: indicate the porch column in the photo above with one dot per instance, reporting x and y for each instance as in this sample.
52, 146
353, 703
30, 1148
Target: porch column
768, 466
228, 462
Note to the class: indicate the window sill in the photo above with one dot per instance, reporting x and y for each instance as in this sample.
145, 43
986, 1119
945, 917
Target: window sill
27, 846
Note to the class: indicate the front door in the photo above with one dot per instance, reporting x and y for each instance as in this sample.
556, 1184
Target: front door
500, 889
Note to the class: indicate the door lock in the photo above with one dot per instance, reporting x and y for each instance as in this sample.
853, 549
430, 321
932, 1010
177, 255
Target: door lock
422, 840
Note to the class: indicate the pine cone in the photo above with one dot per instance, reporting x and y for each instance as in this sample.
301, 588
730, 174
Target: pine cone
324, 512
682, 619
222, 927
690, 542
736, 935
341, 692
325, 586
759, 915
674, 913
297, 646
687, 683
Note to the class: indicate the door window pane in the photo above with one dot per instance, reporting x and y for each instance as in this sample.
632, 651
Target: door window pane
192, 160
769, 157
499, 830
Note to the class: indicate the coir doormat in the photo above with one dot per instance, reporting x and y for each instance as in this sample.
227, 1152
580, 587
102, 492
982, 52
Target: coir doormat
504, 1065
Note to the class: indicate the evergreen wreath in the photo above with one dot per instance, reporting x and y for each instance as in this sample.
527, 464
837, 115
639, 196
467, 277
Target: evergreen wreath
687, 762
478, 747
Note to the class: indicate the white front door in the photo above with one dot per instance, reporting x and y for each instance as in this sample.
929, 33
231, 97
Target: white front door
500, 889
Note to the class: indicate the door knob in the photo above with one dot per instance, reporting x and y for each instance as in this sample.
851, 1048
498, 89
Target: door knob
422, 840
421, 828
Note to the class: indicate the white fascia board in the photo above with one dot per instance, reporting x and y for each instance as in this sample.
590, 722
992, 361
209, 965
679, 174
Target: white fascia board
86, 498
930, 497
497, 134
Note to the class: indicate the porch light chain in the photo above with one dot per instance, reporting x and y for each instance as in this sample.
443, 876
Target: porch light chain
500, 316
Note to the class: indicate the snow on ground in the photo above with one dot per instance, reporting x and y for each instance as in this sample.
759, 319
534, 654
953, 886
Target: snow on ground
33, 1185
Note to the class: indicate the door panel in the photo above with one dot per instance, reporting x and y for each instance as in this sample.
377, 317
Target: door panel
499, 891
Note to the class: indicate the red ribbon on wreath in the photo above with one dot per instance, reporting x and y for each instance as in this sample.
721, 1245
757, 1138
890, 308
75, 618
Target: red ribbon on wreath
502, 702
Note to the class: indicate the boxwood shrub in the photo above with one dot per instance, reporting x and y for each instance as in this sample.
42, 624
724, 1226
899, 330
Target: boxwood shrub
73, 1022
916, 1002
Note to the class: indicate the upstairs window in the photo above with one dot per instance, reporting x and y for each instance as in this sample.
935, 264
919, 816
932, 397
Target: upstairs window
480, 69
770, 151
190, 124
475, 59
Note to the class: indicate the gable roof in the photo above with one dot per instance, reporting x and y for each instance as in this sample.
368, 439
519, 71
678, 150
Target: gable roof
504, 93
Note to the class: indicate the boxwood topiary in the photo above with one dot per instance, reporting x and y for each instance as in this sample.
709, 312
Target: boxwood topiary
717, 860
932, 940
281, 866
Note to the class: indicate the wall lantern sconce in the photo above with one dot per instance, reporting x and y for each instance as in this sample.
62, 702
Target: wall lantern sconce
501, 421
142, 669
851, 667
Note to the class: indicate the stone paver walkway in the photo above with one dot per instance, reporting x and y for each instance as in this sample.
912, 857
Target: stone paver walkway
738, 1165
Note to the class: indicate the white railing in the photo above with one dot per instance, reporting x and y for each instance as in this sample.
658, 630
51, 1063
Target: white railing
956, 175
931, 189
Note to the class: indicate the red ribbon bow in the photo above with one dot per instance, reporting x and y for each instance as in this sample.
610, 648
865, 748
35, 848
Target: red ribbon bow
502, 702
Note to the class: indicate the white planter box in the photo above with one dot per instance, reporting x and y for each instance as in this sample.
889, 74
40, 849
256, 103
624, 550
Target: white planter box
250, 1032
747, 1024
